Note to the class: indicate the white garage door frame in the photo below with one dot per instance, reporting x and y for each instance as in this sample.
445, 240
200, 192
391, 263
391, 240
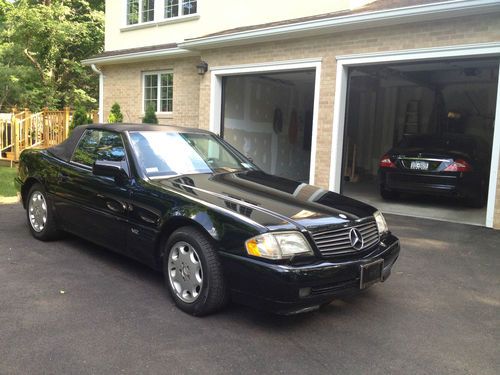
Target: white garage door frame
425, 54
218, 72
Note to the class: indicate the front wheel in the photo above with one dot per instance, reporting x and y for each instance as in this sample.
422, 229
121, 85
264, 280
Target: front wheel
193, 273
39, 214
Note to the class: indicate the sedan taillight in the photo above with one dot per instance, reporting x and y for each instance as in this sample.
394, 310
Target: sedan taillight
458, 165
386, 162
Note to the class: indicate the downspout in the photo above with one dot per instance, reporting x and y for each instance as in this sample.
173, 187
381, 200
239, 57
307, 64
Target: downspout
101, 92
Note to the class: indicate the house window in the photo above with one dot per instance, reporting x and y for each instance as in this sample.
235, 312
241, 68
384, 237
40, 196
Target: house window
148, 10
139, 11
158, 91
186, 7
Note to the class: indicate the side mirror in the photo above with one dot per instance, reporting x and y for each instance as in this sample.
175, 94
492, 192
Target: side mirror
106, 168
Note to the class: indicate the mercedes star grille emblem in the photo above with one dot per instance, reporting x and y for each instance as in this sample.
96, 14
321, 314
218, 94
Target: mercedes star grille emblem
356, 239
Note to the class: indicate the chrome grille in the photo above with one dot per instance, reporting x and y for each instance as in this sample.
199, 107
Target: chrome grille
337, 241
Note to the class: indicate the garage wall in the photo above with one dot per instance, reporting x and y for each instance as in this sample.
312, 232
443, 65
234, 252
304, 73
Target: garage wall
250, 105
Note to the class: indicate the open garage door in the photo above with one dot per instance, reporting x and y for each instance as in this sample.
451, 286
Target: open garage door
268, 116
418, 137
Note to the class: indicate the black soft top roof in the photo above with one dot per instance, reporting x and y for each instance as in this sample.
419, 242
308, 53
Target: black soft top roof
65, 149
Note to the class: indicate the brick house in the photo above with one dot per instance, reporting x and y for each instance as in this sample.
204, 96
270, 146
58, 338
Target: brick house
288, 84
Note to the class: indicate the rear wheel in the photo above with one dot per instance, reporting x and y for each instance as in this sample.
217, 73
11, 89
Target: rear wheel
39, 214
193, 273
388, 194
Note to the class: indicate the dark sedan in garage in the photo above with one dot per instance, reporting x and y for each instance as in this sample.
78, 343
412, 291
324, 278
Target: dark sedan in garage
187, 203
453, 165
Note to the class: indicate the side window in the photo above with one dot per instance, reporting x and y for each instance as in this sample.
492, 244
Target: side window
98, 144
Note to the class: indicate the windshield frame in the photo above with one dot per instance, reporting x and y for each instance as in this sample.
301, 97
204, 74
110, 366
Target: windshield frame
140, 170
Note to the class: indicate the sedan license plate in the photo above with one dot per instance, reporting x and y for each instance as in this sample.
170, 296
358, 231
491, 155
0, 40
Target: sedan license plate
371, 273
419, 165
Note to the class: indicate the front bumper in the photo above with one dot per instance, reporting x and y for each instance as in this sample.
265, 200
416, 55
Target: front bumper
286, 289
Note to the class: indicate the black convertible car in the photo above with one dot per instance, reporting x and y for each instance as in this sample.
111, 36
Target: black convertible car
454, 165
185, 202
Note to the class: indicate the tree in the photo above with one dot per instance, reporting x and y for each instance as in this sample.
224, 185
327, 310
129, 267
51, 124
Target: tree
115, 115
42, 44
150, 116
80, 117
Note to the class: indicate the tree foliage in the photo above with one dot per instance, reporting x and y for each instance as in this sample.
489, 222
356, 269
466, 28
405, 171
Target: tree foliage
150, 115
42, 44
115, 115
80, 117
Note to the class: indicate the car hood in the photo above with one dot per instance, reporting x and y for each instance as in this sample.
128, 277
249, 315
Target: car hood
270, 201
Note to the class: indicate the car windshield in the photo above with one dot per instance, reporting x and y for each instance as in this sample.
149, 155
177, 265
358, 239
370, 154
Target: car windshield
164, 154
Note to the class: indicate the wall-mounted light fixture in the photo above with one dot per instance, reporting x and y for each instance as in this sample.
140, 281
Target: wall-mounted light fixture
202, 67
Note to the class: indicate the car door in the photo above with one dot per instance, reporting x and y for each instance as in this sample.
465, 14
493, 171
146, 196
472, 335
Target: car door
95, 207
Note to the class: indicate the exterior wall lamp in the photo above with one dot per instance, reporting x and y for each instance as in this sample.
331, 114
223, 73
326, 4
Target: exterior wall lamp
202, 67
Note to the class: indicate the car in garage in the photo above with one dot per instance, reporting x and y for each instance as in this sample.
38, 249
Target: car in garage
447, 164
187, 203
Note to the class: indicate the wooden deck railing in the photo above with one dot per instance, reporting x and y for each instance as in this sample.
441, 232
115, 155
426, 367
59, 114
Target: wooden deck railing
30, 130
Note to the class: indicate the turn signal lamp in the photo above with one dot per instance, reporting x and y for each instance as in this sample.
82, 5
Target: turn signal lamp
381, 223
282, 245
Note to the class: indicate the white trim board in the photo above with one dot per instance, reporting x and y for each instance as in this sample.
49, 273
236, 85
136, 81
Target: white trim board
140, 56
216, 74
495, 156
424, 54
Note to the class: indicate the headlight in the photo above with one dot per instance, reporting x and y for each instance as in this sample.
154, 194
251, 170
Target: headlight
381, 224
280, 245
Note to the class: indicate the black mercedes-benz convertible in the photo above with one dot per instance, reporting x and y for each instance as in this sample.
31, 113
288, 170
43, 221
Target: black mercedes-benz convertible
185, 202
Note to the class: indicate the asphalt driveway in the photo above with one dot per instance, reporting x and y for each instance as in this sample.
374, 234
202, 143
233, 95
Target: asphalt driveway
69, 307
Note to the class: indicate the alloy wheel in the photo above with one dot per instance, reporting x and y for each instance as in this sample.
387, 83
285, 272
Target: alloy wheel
185, 272
37, 209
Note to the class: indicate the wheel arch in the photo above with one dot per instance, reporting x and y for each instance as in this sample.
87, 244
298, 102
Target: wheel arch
25, 188
171, 226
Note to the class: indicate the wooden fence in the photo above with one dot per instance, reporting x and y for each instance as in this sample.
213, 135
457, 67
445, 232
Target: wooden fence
25, 130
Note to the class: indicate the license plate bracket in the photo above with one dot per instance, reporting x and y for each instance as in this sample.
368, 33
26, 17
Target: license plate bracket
371, 273
419, 165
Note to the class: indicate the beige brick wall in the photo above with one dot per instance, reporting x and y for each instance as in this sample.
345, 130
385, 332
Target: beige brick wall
123, 82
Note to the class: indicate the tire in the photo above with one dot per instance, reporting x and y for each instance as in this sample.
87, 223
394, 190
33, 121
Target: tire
39, 214
388, 194
193, 272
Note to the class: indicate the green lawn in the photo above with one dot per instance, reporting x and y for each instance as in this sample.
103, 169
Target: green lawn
7, 175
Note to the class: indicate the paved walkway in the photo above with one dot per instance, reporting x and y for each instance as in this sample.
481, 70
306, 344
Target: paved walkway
69, 307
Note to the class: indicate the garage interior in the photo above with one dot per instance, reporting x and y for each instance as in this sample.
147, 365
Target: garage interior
387, 102
268, 117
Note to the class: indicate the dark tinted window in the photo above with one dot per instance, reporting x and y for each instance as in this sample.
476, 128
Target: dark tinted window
99, 144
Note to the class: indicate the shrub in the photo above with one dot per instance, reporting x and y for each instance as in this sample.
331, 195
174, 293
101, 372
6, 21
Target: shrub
150, 116
80, 117
116, 114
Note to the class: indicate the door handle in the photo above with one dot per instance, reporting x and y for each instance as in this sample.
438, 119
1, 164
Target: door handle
118, 207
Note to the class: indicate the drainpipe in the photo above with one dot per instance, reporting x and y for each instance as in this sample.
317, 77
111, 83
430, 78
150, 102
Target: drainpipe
101, 92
